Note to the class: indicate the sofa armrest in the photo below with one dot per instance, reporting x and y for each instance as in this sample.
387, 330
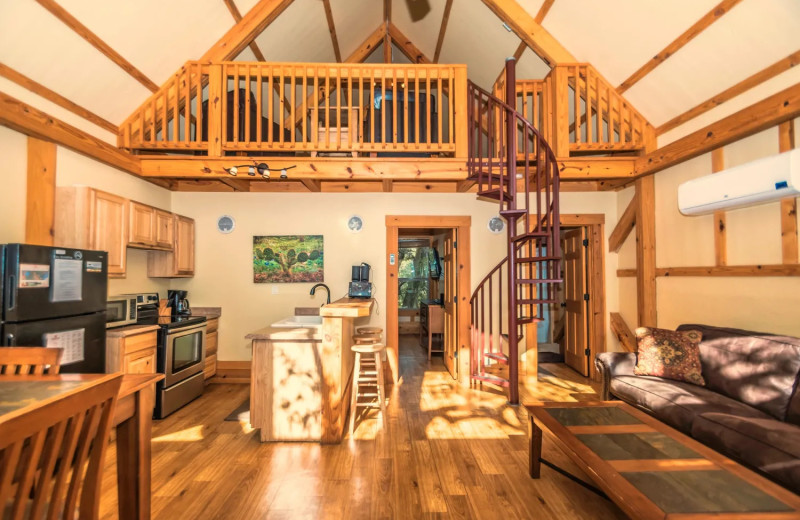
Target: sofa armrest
613, 364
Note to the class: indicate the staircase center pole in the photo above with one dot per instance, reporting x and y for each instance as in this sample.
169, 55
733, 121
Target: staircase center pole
511, 173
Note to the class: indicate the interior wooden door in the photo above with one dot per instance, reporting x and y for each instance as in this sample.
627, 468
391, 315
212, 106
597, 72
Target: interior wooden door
450, 293
575, 323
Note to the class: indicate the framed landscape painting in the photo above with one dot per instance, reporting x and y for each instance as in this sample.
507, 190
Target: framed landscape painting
288, 259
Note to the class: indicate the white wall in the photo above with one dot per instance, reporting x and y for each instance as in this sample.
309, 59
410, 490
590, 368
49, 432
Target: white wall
224, 272
13, 165
768, 304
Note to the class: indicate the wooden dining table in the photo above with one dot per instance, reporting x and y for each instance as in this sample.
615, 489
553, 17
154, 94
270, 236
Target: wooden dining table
133, 418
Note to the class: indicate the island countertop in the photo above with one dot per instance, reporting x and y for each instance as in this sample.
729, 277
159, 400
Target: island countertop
348, 308
287, 334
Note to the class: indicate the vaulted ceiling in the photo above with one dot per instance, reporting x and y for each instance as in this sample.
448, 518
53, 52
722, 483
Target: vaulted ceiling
618, 37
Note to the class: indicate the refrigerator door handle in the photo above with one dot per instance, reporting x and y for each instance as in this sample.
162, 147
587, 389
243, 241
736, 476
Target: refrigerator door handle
10, 292
11, 340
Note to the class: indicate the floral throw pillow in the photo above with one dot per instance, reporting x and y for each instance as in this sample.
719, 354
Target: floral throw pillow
669, 354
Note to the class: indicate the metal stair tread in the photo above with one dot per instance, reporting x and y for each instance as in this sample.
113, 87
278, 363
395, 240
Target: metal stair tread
497, 356
488, 378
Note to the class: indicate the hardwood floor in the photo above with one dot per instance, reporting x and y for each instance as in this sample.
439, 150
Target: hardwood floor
448, 452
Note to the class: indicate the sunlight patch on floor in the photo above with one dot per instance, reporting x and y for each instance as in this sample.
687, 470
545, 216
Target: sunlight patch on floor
193, 434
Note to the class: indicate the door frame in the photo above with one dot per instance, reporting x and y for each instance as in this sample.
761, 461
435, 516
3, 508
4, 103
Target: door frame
596, 283
463, 225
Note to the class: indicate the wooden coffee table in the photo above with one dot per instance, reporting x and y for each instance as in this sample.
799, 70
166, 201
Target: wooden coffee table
651, 470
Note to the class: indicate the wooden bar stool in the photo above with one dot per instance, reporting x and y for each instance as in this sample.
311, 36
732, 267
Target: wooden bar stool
367, 372
370, 330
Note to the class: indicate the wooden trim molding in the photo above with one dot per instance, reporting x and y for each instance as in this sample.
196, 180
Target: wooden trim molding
40, 207
95, 41
40, 90
723, 270
789, 245
624, 226
646, 252
532, 33
688, 35
237, 17
623, 332
730, 93
720, 221
31, 121
232, 372
332, 29
775, 109
240, 35
442, 30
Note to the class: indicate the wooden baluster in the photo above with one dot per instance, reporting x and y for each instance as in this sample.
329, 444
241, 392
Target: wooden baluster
282, 103
176, 112
235, 107
451, 113
428, 106
372, 86
198, 127
270, 108
304, 113
259, 105
292, 107
598, 110
315, 108
589, 137
351, 114
417, 98
247, 121
327, 107
383, 107
577, 108
187, 105
395, 101
153, 119
439, 112
164, 105
405, 109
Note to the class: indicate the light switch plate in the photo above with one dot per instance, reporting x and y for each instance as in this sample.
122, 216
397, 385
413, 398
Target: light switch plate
391, 259
274, 289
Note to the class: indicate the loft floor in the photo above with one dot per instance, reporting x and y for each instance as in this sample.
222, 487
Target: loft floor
448, 453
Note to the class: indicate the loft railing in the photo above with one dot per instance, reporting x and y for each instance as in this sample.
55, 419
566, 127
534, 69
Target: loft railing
234, 107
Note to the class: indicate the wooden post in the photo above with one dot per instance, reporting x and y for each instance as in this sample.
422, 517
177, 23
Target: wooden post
720, 225
41, 193
788, 205
646, 251
461, 126
216, 91
559, 138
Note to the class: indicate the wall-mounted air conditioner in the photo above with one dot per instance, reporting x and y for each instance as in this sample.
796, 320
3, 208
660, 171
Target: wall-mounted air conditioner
757, 182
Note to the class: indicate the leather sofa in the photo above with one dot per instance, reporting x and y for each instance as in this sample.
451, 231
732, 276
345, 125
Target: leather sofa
749, 409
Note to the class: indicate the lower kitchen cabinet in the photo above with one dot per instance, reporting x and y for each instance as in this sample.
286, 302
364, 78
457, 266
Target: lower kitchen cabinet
212, 326
132, 350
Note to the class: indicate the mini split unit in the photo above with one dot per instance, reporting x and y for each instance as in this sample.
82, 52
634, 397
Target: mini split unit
757, 182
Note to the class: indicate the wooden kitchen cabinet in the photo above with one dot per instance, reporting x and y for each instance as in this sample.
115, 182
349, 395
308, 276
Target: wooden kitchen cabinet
210, 369
92, 219
132, 350
165, 229
178, 263
142, 225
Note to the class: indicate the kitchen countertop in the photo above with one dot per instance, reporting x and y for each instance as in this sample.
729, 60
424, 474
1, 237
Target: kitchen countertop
130, 330
301, 334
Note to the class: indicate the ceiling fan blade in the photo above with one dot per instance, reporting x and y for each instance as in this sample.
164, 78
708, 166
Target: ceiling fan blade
418, 9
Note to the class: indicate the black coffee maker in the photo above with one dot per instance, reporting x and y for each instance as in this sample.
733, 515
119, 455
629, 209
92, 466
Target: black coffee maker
178, 302
360, 286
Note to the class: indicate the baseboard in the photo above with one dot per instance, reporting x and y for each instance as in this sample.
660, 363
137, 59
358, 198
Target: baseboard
236, 372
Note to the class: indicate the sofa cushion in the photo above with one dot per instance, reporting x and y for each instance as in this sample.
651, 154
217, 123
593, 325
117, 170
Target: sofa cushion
674, 402
669, 354
752, 367
767, 445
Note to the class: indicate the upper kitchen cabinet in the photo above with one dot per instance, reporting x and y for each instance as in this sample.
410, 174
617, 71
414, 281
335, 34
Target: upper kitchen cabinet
92, 219
150, 228
178, 263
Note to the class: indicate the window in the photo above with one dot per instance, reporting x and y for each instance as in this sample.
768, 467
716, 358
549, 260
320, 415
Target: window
413, 274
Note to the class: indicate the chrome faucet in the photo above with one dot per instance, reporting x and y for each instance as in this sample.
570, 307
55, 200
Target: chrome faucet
327, 289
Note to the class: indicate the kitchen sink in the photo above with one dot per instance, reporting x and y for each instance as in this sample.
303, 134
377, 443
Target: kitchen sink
299, 321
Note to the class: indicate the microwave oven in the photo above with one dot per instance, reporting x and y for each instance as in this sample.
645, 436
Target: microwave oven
121, 310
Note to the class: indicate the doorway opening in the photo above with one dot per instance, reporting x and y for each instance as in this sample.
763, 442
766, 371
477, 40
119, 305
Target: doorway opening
573, 330
427, 290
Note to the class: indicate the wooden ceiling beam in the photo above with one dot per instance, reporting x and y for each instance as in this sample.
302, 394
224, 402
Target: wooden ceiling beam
236, 184
690, 33
746, 84
312, 185
407, 47
31, 121
776, 109
543, 10
388, 186
237, 17
94, 40
442, 30
387, 40
624, 227
332, 29
532, 33
40, 90
245, 31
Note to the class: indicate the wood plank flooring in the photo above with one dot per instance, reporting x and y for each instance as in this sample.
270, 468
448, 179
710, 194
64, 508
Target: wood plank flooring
447, 452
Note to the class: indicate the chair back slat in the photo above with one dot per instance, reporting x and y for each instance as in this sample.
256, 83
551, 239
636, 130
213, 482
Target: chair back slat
51, 457
29, 360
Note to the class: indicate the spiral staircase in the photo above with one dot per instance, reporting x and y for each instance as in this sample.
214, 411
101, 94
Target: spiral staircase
512, 164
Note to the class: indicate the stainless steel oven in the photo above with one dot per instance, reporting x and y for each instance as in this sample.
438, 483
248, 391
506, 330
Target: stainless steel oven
181, 358
120, 310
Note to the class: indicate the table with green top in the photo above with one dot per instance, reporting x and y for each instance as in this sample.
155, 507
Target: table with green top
651, 470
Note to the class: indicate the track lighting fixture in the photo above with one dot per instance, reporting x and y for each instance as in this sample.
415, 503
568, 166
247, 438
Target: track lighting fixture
262, 168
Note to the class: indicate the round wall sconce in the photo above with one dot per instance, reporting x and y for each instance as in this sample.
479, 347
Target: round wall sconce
225, 224
355, 224
496, 225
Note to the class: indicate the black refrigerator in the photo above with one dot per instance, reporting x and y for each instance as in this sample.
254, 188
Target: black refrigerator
56, 297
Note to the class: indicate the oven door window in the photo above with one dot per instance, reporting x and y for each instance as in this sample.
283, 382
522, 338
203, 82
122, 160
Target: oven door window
186, 351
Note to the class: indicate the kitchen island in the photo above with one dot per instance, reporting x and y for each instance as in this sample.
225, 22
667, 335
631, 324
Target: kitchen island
300, 376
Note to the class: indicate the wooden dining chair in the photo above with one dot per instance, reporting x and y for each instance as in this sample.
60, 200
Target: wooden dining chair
51, 456
24, 361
